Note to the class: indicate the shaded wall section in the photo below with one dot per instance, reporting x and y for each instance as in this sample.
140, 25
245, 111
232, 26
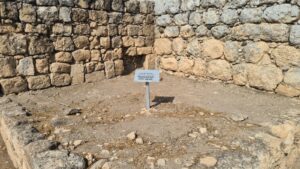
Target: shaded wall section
46, 43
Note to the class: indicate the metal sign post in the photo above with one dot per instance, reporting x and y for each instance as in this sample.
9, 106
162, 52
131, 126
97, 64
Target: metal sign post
147, 76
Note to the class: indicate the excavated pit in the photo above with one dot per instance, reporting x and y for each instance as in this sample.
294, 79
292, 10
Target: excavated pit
186, 127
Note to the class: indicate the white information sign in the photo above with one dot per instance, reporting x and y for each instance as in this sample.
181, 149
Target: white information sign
147, 76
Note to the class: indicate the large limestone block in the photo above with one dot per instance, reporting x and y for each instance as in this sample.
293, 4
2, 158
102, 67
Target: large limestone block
185, 65
264, 77
38, 82
7, 67
13, 44
295, 35
254, 51
219, 69
48, 14
64, 57
264, 31
81, 55
163, 46
286, 56
13, 85
283, 13
169, 63
119, 67
232, 51
109, 69
199, 68
64, 44
213, 48
167, 6
60, 68
292, 77
40, 45
189, 5
60, 79
27, 13
77, 74
26, 67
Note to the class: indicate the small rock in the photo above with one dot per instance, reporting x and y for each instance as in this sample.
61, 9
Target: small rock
77, 143
203, 130
161, 162
194, 134
131, 136
107, 165
72, 111
208, 161
239, 117
139, 141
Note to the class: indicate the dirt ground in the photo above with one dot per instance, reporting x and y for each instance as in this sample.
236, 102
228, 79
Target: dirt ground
189, 120
5, 162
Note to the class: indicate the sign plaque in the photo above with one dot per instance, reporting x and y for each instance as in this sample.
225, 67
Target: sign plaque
147, 77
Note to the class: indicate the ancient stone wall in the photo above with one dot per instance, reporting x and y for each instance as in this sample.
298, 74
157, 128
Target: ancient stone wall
246, 42
46, 43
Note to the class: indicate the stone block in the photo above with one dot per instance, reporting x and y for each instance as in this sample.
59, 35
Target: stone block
60, 68
109, 69
60, 80
7, 67
47, 2
292, 78
101, 17
163, 46
27, 13
232, 51
13, 44
219, 69
81, 55
40, 45
64, 57
77, 74
41, 66
213, 48
254, 51
119, 67
286, 56
264, 77
26, 67
264, 31
167, 6
81, 42
38, 82
64, 44
199, 68
282, 13
287, 90
83, 29
169, 63
62, 29
65, 14
185, 65
13, 85
47, 14
79, 15
295, 35
251, 15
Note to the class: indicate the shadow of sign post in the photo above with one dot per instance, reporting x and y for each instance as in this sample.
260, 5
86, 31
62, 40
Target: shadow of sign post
147, 77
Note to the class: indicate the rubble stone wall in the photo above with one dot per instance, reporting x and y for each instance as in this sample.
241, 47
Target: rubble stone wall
46, 43
251, 43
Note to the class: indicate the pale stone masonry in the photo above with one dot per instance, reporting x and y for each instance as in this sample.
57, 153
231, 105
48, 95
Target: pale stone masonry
46, 43
252, 43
